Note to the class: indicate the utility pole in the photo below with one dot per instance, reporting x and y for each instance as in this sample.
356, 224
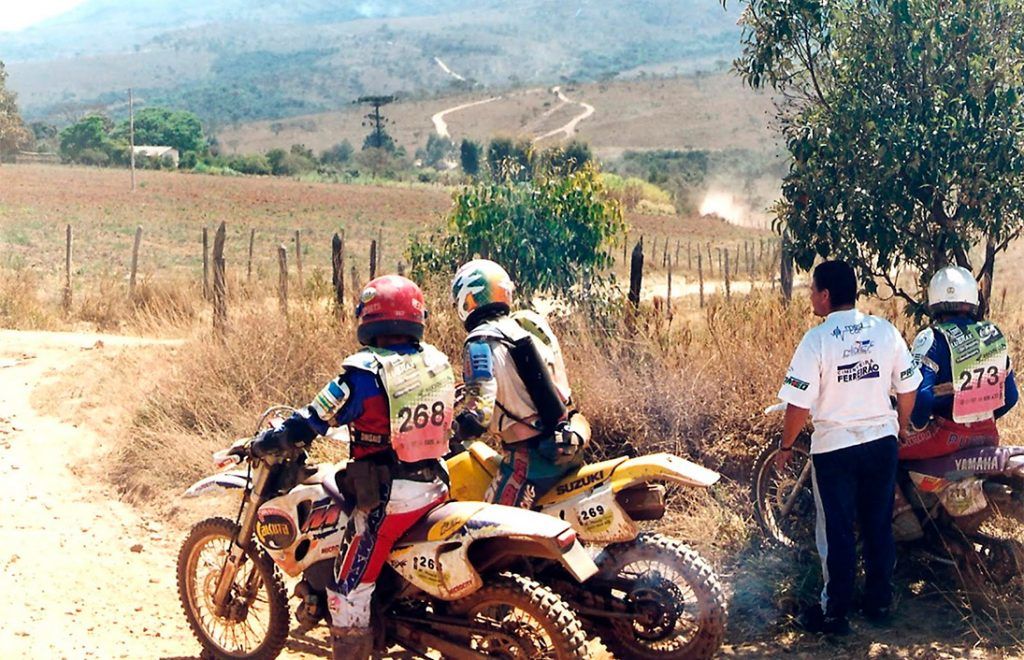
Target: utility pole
131, 134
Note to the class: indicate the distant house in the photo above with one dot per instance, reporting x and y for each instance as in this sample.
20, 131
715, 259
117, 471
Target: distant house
158, 153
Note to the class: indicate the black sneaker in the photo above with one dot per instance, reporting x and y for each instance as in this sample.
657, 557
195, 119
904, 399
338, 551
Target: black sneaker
878, 616
814, 621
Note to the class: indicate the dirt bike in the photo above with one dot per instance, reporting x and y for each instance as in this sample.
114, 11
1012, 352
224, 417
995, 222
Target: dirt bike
653, 596
963, 510
445, 586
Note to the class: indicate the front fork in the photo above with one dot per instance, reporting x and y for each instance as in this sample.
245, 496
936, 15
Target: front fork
236, 557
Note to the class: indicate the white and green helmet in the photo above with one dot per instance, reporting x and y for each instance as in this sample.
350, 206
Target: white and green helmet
481, 284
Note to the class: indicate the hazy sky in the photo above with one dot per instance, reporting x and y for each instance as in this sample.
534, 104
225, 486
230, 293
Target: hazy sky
18, 14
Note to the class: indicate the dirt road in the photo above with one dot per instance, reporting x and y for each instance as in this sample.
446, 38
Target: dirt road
83, 574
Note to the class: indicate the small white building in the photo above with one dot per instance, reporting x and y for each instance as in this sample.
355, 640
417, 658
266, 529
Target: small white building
158, 153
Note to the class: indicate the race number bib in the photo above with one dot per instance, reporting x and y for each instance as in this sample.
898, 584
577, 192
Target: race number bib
421, 399
978, 358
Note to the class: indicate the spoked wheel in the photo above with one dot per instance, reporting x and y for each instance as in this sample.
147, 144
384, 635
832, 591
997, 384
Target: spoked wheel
515, 617
677, 603
993, 575
254, 624
784, 501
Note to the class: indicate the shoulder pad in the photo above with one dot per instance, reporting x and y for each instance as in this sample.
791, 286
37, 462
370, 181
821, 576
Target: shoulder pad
363, 360
923, 343
534, 323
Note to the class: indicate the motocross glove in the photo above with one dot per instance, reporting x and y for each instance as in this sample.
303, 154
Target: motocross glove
466, 427
269, 442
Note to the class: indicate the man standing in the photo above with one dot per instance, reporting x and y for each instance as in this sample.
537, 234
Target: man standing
842, 374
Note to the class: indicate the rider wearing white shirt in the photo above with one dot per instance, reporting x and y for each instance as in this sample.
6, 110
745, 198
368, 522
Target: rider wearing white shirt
842, 375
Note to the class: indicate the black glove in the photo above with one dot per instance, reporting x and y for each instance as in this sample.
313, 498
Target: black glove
269, 442
466, 427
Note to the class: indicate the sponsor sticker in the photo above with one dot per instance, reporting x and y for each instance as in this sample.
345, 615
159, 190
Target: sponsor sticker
581, 482
793, 381
848, 373
274, 528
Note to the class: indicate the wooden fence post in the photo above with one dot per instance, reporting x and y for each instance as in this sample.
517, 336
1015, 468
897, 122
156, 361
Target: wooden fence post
719, 252
252, 241
298, 257
736, 264
664, 255
206, 264
282, 279
668, 294
689, 255
401, 269
220, 298
338, 272
357, 289
677, 251
700, 276
654, 249
786, 269
636, 273
67, 271
711, 263
373, 259
726, 271
135, 262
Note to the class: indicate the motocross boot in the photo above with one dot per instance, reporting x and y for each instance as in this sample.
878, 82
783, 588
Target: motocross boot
351, 643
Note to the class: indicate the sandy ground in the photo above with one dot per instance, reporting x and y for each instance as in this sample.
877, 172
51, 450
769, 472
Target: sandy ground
84, 575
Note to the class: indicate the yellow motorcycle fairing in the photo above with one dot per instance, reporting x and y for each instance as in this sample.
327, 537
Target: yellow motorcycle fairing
472, 472
662, 467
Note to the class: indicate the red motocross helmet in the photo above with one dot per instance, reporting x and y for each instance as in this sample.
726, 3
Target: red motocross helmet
390, 305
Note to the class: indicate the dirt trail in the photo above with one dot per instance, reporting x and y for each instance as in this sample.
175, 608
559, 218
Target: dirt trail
569, 129
83, 574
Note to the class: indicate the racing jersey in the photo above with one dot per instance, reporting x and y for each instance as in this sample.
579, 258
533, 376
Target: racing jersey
843, 371
935, 394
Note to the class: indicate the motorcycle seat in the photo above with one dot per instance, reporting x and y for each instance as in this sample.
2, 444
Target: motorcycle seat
966, 462
585, 478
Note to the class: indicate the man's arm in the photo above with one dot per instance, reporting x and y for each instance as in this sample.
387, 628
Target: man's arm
794, 422
905, 408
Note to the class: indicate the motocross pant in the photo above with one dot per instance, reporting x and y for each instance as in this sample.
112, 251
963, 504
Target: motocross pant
367, 542
943, 437
528, 471
855, 485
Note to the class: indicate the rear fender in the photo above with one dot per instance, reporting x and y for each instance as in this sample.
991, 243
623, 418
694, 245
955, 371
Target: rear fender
661, 467
445, 552
217, 482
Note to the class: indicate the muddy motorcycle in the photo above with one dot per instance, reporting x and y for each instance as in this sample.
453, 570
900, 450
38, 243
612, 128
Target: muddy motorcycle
964, 510
445, 587
653, 596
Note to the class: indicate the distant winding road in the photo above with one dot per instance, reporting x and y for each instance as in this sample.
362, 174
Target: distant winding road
569, 129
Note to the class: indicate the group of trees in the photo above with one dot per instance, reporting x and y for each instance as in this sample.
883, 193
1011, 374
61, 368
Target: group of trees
506, 159
99, 140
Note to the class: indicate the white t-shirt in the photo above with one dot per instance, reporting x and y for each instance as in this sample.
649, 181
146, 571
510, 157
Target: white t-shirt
844, 371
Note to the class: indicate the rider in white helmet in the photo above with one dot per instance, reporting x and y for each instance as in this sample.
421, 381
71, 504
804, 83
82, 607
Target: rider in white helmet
516, 387
968, 381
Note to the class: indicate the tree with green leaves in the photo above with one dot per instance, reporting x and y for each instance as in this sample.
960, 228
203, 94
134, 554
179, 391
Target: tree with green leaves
905, 124
438, 151
510, 160
90, 141
166, 128
469, 157
13, 134
553, 234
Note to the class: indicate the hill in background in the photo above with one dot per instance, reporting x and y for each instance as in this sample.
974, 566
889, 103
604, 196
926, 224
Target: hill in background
237, 60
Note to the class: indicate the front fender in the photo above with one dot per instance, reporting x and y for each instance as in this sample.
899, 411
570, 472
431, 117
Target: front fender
221, 480
661, 467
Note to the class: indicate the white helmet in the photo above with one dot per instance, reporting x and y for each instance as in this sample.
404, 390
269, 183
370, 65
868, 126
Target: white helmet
952, 287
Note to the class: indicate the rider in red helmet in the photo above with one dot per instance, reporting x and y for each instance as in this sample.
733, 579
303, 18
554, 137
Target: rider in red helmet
396, 396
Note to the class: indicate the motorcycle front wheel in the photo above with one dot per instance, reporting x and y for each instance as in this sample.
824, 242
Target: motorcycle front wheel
678, 607
255, 625
784, 501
